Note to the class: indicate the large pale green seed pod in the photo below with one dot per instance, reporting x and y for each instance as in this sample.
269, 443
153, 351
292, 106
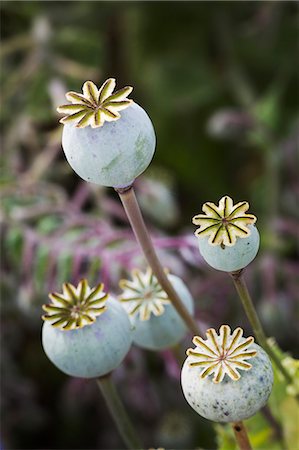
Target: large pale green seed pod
86, 335
156, 323
229, 395
106, 147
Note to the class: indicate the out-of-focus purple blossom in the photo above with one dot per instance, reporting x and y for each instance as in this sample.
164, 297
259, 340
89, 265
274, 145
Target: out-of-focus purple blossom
172, 365
229, 124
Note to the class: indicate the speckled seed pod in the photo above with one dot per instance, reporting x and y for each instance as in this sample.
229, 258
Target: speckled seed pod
156, 323
85, 335
105, 147
228, 239
229, 396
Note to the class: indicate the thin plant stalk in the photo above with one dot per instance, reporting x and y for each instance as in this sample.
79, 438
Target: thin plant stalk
254, 320
275, 425
118, 412
129, 201
241, 436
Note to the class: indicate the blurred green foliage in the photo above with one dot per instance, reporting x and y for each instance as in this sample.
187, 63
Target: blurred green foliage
185, 59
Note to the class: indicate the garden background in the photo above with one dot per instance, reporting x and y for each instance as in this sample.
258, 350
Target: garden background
220, 83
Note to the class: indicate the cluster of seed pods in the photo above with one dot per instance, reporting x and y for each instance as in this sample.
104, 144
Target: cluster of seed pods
87, 332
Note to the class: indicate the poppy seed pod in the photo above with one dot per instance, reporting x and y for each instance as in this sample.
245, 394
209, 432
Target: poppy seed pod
101, 145
231, 259
86, 333
156, 323
228, 239
227, 396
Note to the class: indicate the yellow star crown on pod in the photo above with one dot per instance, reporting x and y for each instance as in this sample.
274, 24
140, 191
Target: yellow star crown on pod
225, 222
75, 307
143, 295
222, 355
95, 106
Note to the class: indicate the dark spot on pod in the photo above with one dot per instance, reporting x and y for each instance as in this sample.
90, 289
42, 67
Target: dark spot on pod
249, 389
215, 406
237, 428
226, 413
261, 378
189, 395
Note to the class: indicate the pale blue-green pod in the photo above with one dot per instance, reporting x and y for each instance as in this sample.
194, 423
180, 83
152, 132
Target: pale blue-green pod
91, 351
229, 400
231, 258
166, 330
113, 154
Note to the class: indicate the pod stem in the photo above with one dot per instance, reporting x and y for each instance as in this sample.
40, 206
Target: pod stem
241, 436
118, 412
129, 201
254, 320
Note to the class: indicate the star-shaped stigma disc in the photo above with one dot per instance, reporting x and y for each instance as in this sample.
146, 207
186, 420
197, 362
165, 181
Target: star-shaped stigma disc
225, 222
95, 106
75, 307
222, 355
143, 295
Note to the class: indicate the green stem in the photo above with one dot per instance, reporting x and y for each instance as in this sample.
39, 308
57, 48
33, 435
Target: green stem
241, 436
275, 425
252, 316
132, 209
118, 412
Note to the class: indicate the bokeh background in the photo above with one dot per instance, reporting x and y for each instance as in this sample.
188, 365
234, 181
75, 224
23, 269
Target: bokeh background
220, 82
